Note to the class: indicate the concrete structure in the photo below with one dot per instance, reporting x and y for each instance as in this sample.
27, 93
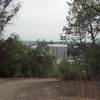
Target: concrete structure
59, 51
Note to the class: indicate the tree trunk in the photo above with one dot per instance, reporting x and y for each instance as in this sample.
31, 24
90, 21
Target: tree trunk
92, 35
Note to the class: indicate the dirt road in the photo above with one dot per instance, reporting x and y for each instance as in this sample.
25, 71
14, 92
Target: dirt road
33, 89
27, 89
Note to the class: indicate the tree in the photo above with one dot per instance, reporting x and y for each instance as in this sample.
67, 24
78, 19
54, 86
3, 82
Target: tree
11, 56
83, 20
8, 10
42, 60
83, 26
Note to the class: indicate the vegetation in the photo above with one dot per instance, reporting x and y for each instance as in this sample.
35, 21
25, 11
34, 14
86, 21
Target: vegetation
81, 33
92, 62
8, 9
42, 60
83, 21
83, 30
86, 65
16, 59
71, 71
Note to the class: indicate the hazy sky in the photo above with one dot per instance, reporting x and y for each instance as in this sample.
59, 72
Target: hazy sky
40, 19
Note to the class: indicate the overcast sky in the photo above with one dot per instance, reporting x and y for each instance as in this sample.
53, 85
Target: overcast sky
40, 19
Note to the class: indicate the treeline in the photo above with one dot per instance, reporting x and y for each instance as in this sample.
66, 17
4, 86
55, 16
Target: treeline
82, 28
18, 60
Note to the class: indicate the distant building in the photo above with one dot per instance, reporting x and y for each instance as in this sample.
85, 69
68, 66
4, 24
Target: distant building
59, 51
56, 49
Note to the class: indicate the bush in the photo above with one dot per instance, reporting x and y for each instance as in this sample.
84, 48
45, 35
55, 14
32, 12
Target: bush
18, 60
42, 61
74, 71
92, 61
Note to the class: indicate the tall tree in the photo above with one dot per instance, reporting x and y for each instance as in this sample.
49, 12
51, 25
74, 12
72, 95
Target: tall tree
83, 20
8, 9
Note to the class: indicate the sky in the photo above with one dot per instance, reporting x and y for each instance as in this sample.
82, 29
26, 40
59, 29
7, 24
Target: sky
39, 19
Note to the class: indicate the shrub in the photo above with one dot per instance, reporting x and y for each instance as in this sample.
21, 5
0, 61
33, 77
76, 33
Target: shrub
70, 71
92, 61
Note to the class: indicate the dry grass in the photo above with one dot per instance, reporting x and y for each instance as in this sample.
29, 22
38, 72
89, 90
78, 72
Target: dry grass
78, 90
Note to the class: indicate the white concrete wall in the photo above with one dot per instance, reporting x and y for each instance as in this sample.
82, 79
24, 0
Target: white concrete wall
59, 51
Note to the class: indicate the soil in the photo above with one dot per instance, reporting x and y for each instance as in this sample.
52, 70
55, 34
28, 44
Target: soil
47, 89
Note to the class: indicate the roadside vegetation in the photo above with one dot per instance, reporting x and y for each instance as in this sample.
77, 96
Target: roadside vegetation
19, 60
82, 31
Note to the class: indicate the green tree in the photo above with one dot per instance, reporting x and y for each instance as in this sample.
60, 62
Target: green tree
83, 20
92, 62
42, 61
8, 9
12, 55
83, 26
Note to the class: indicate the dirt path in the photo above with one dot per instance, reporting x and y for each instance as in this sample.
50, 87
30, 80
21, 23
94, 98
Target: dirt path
32, 89
27, 89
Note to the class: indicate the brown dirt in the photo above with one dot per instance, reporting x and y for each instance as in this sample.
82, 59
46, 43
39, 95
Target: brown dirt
48, 89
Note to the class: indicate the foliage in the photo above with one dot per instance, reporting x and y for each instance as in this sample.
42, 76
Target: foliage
42, 64
16, 59
75, 71
10, 56
92, 61
83, 27
8, 9
70, 71
83, 21
85, 67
